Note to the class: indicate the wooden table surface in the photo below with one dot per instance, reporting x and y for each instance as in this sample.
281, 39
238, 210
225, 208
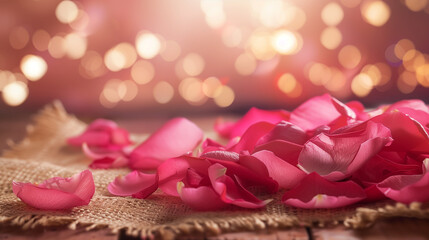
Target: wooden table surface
13, 129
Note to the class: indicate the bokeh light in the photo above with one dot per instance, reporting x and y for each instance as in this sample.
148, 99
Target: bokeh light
148, 45
362, 85
416, 5
142, 72
15, 93
33, 67
193, 64
331, 38
286, 42
75, 45
18, 37
66, 11
287, 83
41, 39
375, 12
163, 92
245, 64
224, 97
332, 14
349, 56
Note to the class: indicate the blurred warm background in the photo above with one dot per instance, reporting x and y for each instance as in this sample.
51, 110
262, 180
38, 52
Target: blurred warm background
139, 56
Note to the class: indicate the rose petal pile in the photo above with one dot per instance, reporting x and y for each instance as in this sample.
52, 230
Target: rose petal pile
323, 154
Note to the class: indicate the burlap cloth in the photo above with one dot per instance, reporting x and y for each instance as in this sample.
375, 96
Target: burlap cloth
44, 154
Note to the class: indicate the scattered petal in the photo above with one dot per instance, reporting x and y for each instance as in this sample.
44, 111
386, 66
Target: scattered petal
315, 191
57, 193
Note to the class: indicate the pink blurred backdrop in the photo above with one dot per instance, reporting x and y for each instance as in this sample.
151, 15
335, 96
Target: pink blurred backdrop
269, 54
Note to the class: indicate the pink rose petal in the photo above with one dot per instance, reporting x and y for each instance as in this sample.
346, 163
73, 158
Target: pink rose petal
104, 134
175, 138
285, 131
132, 184
254, 115
252, 136
57, 193
106, 159
231, 191
287, 151
336, 156
281, 171
318, 111
407, 133
315, 191
407, 188
200, 198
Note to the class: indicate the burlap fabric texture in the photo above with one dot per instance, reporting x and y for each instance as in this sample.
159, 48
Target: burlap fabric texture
44, 154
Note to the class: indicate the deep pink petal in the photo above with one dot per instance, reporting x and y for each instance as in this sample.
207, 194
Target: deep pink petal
247, 176
175, 138
201, 198
319, 111
252, 136
175, 170
106, 163
411, 104
210, 145
231, 191
285, 131
132, 183
287, 151
281, 171
379, 168
407, 133
90, 138
315, 191
57, 193
336, 156
406, 188
254, 115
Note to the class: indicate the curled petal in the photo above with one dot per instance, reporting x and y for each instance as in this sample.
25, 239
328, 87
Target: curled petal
57, 193
281, 171
231, 191
247, 176
316, 192
287, 151
415, 104
407, 133
202, 198
175, 138
175, 170
252, 136
285, 131
103, 134
254, 115
319, 111
406, 188
105, 160
134, 183
337, 156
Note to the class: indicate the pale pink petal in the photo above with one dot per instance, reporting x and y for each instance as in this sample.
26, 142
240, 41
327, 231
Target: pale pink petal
175, 138
90, 138
287, 151
210, 145
285, 131
231, 191
318, 111
252, 136
315, 191
254, 115
407, 133
281, 171
200, 198
222, 155
338, 155
131, 184
57, 193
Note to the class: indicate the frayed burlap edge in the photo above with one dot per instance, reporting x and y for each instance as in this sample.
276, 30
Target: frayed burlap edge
55, 115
